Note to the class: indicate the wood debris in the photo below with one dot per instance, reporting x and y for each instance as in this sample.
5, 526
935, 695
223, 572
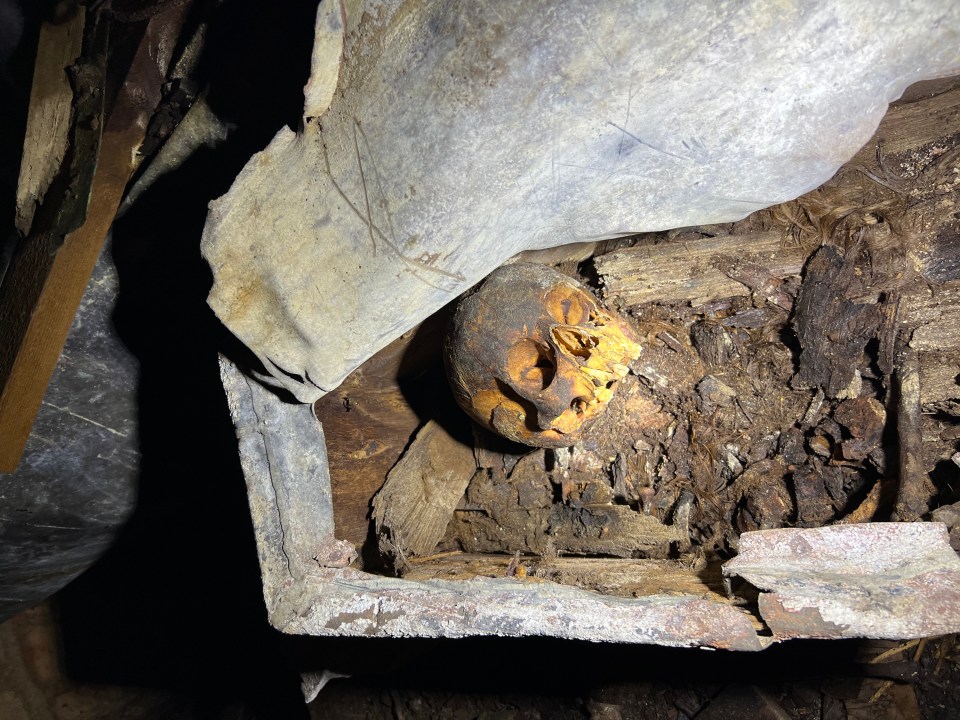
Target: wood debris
798, 369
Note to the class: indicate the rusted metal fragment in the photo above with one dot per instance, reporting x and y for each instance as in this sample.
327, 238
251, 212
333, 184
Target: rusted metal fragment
803, 623
881, 580
335, 553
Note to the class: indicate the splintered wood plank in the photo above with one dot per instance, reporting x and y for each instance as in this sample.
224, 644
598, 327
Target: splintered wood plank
933, 312
45, 283
50, 112
610, 576
911, 125
367, 422
417, 501
695, 270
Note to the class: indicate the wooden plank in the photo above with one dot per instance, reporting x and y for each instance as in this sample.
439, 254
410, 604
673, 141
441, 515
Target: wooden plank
930, 314
915, 489
55, 305
624, 578
50, 112
933, 314
44, 285
696, 270
416, 503
911, 125
369, 419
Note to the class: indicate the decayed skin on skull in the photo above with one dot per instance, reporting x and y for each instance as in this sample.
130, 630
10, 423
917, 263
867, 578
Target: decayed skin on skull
532, 356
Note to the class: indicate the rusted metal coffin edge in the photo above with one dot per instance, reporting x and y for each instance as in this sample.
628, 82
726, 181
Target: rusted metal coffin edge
825, 589
880, 580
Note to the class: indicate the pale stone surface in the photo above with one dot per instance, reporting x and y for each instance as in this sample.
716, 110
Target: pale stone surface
463, 133
881, 580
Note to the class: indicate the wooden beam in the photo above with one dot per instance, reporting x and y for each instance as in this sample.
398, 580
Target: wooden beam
46, 279
696, 270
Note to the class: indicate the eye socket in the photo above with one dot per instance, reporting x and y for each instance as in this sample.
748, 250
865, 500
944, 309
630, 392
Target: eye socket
566, 305
574, 341
531, 364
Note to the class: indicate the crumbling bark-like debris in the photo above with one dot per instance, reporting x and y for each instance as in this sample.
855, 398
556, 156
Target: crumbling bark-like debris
832, 326
863, 419
814, 507
766, 501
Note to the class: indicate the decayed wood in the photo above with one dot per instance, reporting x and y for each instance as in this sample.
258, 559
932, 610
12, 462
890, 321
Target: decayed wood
938, 377
369, 419
600, 529
832, 326
50, 113
366, 432
624, 578
933, 311
915, 491
417, 501
636, 578
696, 270
911, 125
44, 285
930, 314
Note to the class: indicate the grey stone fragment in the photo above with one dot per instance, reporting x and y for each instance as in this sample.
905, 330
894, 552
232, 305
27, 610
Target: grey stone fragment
463, 133
77, 480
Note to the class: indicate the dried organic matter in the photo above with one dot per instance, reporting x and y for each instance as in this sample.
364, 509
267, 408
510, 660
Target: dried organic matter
533, 356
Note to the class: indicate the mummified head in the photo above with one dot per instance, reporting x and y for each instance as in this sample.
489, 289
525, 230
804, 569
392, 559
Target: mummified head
533, 356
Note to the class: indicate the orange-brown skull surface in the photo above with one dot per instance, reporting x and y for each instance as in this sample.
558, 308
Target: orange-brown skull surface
533, 356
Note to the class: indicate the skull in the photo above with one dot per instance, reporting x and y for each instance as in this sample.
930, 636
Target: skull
532, 356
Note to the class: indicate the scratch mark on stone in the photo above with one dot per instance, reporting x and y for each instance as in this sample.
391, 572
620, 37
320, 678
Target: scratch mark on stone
363, 182
55, 527
761, 203
645, 143
593, 41
412, 265
626, 117
85, 419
